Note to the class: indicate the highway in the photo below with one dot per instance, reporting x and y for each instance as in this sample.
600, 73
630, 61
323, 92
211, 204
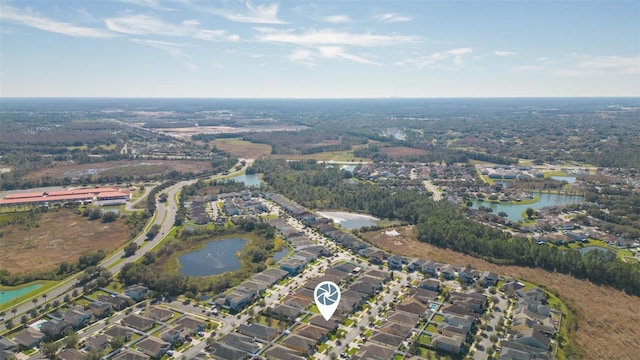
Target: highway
165, 217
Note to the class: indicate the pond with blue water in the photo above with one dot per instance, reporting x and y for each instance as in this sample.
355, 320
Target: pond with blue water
216, 258
9, 295
280, 254
248, 180
514, 211
349, 221
568, 179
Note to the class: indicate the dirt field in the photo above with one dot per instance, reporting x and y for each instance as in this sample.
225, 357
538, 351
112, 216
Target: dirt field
608, 325
242, 149
60, 236
400, 151
111, 168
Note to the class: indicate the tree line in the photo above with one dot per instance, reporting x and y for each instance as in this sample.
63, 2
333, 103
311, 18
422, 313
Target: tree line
441, 224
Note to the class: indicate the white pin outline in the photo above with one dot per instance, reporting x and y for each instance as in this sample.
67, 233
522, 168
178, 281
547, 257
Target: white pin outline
327, 311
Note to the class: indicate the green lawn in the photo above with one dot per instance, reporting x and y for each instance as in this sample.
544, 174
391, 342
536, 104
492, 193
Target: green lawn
438, 318
349, 322
424, 339
432, 328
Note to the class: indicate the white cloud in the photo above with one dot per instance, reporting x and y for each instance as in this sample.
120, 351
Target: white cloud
330, 37
309, 57
625, 65
260, 14
338, 52
149, 25
154, 4
171, 48
428, 61
589, 66
504, 53
525, 68
337, 19
32, 19
389, 18
304, 56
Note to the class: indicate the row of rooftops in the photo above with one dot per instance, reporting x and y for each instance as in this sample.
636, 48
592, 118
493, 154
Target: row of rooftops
85, 194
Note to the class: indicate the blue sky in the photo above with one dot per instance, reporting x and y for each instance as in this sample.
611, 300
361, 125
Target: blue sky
323, 49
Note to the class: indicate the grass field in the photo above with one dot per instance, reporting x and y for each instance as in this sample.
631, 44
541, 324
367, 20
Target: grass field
124, 168
604, 316
57, 236
401, 151
241, 148
324, 156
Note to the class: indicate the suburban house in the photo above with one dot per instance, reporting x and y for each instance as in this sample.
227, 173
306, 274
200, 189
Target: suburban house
175, 335
158, 314
55, 328
448, 272
194, 325
119, 331
239, 298
118, 302
259, 331
416, 265
99, 342
430, 284
430, 269
28, 338
241, 342
100, 308
77, 316
223, 352
153, 347
138, 322
293, 265
395, 262
301, 345
136, 292
130, 354
8, 348
448, 344
69, 354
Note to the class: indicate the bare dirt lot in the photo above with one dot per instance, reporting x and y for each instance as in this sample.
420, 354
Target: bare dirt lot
608, 325
59, 236
400, 151
113, 168
241, 148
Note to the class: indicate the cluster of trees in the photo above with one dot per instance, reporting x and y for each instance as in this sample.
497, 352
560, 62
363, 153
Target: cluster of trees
442, 224
95, 214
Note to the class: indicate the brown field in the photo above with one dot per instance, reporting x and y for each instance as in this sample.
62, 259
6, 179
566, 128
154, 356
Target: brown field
60, 236
242, 149
400, 151
608, 325
111, 168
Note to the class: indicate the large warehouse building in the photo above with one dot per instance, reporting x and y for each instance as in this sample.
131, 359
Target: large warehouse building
62, 196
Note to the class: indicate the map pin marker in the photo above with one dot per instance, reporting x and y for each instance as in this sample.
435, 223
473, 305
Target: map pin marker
327, 296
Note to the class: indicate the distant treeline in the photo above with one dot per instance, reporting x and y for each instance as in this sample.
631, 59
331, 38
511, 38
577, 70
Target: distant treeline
434, 154
441, 224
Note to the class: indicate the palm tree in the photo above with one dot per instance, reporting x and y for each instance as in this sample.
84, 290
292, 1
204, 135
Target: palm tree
44, 296
35, 302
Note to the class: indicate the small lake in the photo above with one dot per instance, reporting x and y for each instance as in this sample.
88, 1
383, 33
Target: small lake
249, 180
349, 221
216, 258
514, 211
568, 179
280, 254
9, 295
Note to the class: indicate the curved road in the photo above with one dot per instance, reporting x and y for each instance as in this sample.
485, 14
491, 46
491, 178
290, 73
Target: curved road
165, 216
